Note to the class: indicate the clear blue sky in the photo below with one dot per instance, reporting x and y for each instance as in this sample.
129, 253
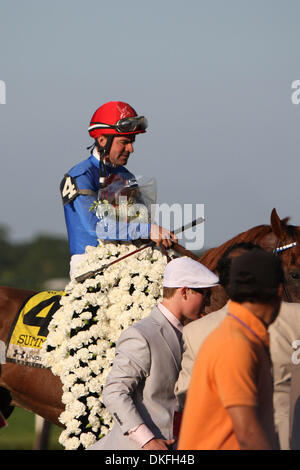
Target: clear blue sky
212, 76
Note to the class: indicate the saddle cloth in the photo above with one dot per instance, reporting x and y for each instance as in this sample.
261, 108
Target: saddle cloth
30, 328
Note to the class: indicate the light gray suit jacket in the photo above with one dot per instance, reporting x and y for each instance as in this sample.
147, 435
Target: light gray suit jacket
140, 385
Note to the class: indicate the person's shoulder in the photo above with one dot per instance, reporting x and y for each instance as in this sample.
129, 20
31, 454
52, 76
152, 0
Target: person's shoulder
122, 170
224, 346
137, 337
287, 323
139, 328
150, 325
289, 307
81, 168
225, 336
154, 318
212, 320
289, 316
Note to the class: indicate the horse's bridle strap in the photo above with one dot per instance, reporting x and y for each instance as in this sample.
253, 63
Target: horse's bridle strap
284, 247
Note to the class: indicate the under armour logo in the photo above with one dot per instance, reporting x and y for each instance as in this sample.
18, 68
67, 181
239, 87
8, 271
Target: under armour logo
20, 354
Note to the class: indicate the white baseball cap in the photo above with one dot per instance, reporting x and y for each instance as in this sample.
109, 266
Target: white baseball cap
186, 272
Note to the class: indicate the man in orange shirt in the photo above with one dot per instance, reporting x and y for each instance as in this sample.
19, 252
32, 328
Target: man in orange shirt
229, 402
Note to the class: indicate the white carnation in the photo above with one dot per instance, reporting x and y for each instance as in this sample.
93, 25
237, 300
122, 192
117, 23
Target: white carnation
73, 426
87, 439
78, 408
71, 443
68, 398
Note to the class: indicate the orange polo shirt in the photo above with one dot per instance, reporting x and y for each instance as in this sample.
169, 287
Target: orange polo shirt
232, 368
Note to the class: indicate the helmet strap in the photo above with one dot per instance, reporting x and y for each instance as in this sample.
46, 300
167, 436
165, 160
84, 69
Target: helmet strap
91, 147
103, 151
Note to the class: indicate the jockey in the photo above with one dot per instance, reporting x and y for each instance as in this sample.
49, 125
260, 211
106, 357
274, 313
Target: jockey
113, 126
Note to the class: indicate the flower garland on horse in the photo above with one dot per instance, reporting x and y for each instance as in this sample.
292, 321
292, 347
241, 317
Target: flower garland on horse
82, 334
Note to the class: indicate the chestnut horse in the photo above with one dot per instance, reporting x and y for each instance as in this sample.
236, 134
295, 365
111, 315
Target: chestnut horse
277, 236
39, 391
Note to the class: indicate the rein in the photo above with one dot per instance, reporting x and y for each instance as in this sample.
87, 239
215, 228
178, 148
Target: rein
178, 248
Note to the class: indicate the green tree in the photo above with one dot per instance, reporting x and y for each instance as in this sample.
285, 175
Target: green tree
30, 264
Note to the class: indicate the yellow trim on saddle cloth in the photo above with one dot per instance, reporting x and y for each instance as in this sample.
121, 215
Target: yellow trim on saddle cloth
30, 328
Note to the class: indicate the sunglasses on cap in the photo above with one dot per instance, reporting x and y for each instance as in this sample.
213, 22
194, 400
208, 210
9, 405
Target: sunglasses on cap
124, 126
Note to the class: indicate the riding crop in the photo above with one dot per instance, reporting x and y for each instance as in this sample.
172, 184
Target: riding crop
89, 274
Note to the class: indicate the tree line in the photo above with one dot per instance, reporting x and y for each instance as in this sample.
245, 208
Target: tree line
31, 264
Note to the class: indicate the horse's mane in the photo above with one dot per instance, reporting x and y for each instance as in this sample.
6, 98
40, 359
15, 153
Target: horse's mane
254, 235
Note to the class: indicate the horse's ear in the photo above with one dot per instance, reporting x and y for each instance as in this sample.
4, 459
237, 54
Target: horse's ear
277, 225
269, 242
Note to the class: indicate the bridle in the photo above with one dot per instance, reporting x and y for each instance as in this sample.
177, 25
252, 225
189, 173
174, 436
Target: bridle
277, 251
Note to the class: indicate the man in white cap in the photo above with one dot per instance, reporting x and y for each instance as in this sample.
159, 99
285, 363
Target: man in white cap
139, 392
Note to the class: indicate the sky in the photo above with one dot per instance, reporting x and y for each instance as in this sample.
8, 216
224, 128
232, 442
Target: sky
213, 77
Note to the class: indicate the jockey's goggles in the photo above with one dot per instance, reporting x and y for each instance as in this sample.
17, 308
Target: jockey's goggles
124, 126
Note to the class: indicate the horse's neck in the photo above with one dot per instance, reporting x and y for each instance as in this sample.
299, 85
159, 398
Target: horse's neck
10, 302
218, 299
261, 235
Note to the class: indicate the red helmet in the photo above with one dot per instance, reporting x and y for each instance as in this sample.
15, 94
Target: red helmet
116, 118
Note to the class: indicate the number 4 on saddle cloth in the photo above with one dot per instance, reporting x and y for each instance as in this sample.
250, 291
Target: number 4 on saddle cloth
30, 329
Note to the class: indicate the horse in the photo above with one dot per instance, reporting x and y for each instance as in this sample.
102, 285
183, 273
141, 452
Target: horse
278, 237
31, 388
39, 391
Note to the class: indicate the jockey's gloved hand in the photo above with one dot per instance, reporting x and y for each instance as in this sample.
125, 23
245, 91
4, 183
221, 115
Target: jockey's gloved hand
161, 236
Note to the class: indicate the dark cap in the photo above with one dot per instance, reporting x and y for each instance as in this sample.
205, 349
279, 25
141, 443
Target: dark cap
256, 272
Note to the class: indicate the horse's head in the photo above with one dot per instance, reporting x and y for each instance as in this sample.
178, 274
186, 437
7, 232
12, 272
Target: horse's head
279, 234
282, 238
